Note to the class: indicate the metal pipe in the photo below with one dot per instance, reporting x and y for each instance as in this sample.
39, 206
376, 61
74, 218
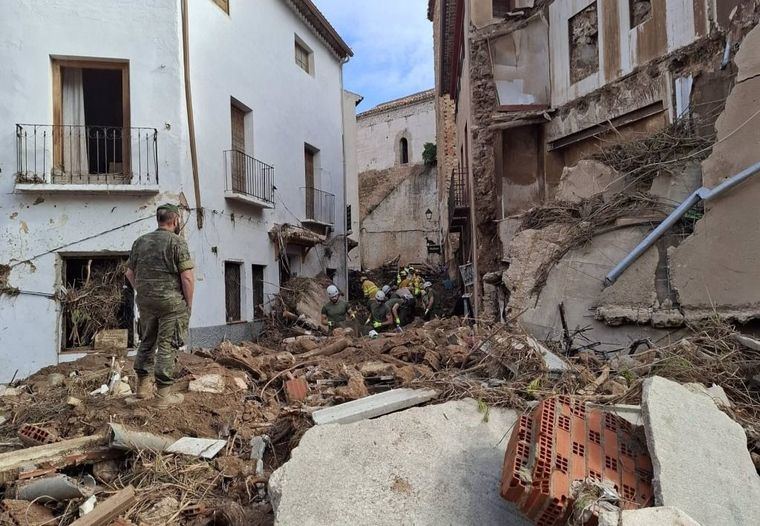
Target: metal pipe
703, 194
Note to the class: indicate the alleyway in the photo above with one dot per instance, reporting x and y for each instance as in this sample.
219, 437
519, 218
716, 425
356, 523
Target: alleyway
323, 262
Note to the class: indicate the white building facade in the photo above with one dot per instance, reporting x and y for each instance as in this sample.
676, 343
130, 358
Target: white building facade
95, 133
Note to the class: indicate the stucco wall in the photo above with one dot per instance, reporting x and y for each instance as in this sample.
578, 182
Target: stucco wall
379, 134
398, 226
247, 55
350, 133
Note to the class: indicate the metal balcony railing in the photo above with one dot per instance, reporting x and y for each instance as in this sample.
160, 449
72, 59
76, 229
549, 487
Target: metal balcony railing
320, 206
69, 154
248, 176
459, 197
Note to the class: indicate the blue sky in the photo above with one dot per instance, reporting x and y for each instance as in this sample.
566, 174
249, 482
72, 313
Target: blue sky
393, 46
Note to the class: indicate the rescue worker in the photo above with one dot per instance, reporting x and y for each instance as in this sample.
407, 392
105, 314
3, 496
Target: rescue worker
415, 282
334, 312
402, 279
405, 311
380, 315
428, 299
395, 304
161, 272
368, 287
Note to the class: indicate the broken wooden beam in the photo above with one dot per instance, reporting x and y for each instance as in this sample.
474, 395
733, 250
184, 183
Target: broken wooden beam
109, 510
327, 350
59, 454
373, 406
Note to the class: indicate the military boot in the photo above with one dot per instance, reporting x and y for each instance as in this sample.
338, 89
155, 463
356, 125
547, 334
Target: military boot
166, 397
144, 388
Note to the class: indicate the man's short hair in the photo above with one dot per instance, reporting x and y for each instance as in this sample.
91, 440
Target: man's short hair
166, 213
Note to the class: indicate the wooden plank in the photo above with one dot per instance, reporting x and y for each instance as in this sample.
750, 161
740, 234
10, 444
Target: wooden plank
11, 463
373, 406
109, 510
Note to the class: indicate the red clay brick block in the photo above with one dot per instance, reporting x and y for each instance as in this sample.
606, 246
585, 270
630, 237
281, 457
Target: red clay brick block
297, 389
561, 442
31, 435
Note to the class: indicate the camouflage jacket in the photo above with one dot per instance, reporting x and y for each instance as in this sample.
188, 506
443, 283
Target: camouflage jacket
157, 259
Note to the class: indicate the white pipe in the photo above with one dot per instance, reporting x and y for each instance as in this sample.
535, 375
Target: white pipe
703, 194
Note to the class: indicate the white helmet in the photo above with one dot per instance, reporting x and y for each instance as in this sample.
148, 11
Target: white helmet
380, 296
386, 289
427, 285
332, 291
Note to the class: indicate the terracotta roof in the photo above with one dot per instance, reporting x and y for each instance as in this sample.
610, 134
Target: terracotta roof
321, 26
431, 8
416, 98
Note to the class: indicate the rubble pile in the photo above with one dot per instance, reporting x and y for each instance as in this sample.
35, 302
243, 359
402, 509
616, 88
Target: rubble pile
208, 460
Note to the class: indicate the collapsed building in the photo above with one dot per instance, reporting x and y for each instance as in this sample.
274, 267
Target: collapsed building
579, 126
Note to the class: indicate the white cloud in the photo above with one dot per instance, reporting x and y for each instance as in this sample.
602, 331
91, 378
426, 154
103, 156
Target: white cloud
392, 42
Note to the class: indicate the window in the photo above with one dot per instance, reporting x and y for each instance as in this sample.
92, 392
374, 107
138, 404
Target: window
303, 56
98, 304
232, 290
404, 150
349, 219
310, 155
584, 44
501, 8
91, 120
257, 285
224, 5
641, 11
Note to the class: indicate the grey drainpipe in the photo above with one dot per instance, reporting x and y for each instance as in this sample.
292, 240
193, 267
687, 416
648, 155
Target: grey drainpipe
703, 194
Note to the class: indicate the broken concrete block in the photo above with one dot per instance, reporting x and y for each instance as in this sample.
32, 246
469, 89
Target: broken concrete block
240, 383
662, 516
700, 458
197, 447
586, 179
55, 379
433, 465
373, 406
750, 343
553, 362
208, 383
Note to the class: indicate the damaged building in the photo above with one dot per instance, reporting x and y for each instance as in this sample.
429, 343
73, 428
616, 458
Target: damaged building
398, 182
101, 125
579, 127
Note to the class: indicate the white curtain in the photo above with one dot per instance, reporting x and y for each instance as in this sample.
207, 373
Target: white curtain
75, 160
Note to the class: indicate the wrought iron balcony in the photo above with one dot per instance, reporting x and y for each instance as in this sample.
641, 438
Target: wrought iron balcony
459, 198
86, 155
248, 179
320, 206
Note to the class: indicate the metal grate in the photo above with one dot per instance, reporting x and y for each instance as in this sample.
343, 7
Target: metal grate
68, 154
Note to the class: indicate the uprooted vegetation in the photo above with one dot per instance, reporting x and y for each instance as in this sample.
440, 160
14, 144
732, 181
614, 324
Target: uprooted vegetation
499, 366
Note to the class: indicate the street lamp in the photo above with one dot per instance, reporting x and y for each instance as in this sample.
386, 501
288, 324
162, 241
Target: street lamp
429, 214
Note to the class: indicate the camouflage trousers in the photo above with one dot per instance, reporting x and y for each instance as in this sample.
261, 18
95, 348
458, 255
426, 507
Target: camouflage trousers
162, 334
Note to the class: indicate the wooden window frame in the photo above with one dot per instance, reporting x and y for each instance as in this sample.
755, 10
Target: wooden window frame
308, 67
241, 299
118, 65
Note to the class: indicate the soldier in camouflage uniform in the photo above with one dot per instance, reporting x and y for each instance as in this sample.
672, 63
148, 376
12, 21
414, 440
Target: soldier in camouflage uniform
161, 271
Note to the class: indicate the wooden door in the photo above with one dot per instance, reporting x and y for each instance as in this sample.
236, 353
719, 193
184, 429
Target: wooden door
238, 158
309, 178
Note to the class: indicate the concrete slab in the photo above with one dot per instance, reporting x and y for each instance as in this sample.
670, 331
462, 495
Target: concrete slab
373, 406
434, 465
662, 516
700, 458
553, 362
